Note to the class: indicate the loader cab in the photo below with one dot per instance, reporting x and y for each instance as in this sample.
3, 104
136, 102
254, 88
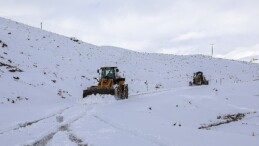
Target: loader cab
108, 72
199, 73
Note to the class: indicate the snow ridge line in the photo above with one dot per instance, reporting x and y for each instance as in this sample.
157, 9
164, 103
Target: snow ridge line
146, 137
25, 124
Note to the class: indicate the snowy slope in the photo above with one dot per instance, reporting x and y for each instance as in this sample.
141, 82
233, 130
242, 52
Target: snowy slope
251, 59
42, 76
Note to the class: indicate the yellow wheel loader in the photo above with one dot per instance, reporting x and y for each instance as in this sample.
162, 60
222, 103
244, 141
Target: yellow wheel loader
109, 82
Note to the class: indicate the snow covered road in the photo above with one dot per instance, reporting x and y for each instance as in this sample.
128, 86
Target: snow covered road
160, 118
168, 118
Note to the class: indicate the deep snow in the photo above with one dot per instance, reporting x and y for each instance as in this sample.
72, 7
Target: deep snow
161, 110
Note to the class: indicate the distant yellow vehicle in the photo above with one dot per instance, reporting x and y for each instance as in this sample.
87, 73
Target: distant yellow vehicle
199, 79
109, 82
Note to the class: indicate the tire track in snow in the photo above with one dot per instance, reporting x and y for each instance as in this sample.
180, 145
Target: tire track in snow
25, 124
64, 127
150, 138
72, 137
160, 91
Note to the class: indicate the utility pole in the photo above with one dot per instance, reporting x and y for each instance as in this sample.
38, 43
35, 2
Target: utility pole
41, 25
212, 49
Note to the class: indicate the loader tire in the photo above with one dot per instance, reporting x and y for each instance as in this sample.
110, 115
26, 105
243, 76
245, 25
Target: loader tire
126, 91
121, 92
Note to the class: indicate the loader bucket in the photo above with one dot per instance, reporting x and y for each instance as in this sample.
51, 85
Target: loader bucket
97, 90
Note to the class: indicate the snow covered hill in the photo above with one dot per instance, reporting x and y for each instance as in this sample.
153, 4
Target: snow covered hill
251, 59
42, 76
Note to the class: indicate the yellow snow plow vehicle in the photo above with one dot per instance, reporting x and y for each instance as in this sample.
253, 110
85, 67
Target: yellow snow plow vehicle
109, 82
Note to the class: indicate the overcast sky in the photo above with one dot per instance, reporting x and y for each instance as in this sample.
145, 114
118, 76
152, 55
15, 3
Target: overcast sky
162, 26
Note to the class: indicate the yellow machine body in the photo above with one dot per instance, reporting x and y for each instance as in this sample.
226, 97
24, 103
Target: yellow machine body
109, 83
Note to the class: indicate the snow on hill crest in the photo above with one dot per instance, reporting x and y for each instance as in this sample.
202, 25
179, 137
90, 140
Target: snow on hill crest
51, 69
251, 59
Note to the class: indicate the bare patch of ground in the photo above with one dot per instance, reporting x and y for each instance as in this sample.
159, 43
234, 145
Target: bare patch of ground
225, 120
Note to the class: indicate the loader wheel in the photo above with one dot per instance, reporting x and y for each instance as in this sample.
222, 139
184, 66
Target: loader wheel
206, 82
126, 94
118, 93
121, 92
